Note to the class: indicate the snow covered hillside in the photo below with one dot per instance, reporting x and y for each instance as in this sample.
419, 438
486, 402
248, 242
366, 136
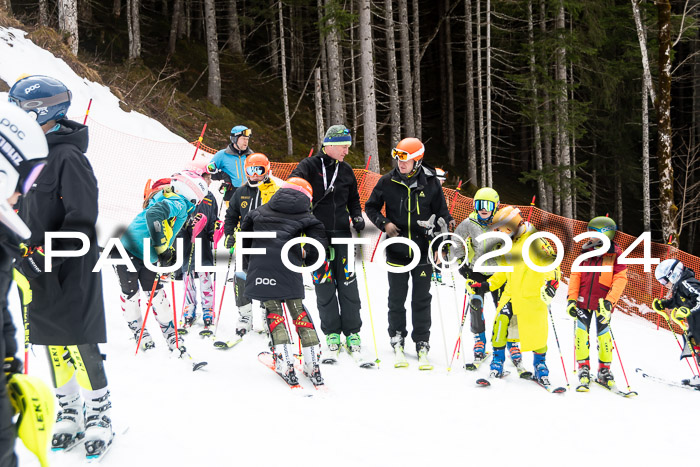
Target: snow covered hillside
237, 412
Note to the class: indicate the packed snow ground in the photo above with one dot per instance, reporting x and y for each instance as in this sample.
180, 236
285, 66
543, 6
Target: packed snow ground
237, 412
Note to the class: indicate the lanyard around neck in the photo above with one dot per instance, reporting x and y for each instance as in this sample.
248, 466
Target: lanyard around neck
335, 174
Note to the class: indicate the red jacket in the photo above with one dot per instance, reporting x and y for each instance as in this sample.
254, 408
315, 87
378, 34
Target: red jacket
588, 287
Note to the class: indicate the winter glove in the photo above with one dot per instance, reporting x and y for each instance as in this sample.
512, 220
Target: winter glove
548, 291
428, 225
473, 285
12, 365
604, 310
32, 265
442, 224
358, 222
657, 306
167, 258
391, 230
465, 270
218, 224
452, 225
572, 308
230, 241
681, 312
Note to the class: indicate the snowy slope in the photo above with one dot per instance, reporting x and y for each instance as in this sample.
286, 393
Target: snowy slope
237, 412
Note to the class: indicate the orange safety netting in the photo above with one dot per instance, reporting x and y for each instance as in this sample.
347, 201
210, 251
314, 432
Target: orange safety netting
641, 288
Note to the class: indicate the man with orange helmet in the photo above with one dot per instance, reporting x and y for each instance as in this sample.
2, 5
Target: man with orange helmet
336, 202
257, 191
412, 194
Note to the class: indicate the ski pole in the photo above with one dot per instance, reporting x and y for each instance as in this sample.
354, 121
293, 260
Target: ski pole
461, 327
670, 326
369, 305
148, 308
196, 229
575, 361
687, 339
221, 305
561, 356
619, 359
442, 321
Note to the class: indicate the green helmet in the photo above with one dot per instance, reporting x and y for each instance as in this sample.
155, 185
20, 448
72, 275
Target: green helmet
604, 225
486, 198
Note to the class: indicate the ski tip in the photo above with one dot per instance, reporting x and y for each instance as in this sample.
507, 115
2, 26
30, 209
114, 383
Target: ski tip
198, 365
482, 382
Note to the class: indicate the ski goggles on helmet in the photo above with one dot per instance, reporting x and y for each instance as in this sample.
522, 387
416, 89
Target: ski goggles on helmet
246, 132
482, 204
602, 230
401, 155
667, 278
255, 170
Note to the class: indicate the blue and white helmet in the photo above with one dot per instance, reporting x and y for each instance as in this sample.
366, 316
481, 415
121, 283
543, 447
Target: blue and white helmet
238, 131
42, 97
669, 270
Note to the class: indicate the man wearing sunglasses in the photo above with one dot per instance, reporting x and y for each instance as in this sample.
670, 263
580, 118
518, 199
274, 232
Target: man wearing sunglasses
66, 313
228, 164
411, 192
335, 202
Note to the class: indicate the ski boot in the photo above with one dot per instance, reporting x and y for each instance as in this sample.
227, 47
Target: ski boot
146, 339
70, 422
541, 370
208, 317
584, 376
397, 342
437, 276
98, 426
694, 381
479, 346
284, 365
515, 356
499, 357
605, 376
312, 369
333, 342
422, 349
353, 342
190, 315
245, 320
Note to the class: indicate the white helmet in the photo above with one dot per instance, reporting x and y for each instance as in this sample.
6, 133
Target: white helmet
669, 270
22, 150
190, 185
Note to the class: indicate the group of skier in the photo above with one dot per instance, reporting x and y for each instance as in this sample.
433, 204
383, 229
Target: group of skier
44, 155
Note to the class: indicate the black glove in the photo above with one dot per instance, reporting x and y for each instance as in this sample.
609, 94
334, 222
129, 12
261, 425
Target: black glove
465, 270
230, 241
572, 308
358, 222
12, 365
32, 266
167, 258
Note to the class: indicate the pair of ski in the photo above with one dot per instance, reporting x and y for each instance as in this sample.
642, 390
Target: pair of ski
267, 359
401, 362
206, 332
523, 373
330, 357
684, 384
93, 457
614, 389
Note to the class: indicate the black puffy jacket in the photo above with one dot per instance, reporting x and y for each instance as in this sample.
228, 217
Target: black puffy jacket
67, 306
335, 203
287, 214
407, 202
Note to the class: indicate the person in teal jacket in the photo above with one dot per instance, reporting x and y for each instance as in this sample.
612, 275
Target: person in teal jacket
161, 220
229, 164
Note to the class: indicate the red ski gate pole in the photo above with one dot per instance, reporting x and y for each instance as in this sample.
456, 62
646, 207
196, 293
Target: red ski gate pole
199, 141
87, 112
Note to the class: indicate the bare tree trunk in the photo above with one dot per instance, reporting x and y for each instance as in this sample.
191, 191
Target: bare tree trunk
334, 69
186, 20
480, 98
318, 105
574, 193
353, 76
274, 48
641, 35
489, 160
134, 26
646, 178
416, 72
562, 113
546, 118
164, 7
394, 109
369, 106
541, 191
450, 89
6, 5
283, 62
68, 22
174, 26
663, 152
324, 67
619, 214
234, 30
84, 11
44, 11
594, 189
472, 173
214, 88
409, 124
442, 73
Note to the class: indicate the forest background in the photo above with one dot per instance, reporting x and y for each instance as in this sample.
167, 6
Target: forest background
591, 105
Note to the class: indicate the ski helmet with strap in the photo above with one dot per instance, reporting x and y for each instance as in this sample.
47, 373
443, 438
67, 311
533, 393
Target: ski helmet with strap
257, 164
45, 97
238, 131
508, 220
190, 185
301, 185
669, 271
486, 199
604, 225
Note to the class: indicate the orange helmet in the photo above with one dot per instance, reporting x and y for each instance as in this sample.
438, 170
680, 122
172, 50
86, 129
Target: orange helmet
507, 220
408, 149
299, 184
257, 164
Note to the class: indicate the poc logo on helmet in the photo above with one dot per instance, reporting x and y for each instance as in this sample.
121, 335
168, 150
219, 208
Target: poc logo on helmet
12, 127
32, 88
265, 281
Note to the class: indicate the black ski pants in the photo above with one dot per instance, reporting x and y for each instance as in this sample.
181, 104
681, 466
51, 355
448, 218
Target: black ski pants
420, 302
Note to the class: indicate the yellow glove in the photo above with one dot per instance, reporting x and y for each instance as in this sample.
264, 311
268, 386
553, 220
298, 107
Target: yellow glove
681, 312
604, 310
572, 308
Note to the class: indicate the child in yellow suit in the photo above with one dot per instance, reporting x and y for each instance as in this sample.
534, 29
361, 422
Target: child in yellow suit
527, 294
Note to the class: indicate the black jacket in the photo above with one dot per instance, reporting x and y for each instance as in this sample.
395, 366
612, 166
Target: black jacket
210, 208
406, 203
245, 199
9, 252
336, 204
67, 306
686, 292
287, 214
